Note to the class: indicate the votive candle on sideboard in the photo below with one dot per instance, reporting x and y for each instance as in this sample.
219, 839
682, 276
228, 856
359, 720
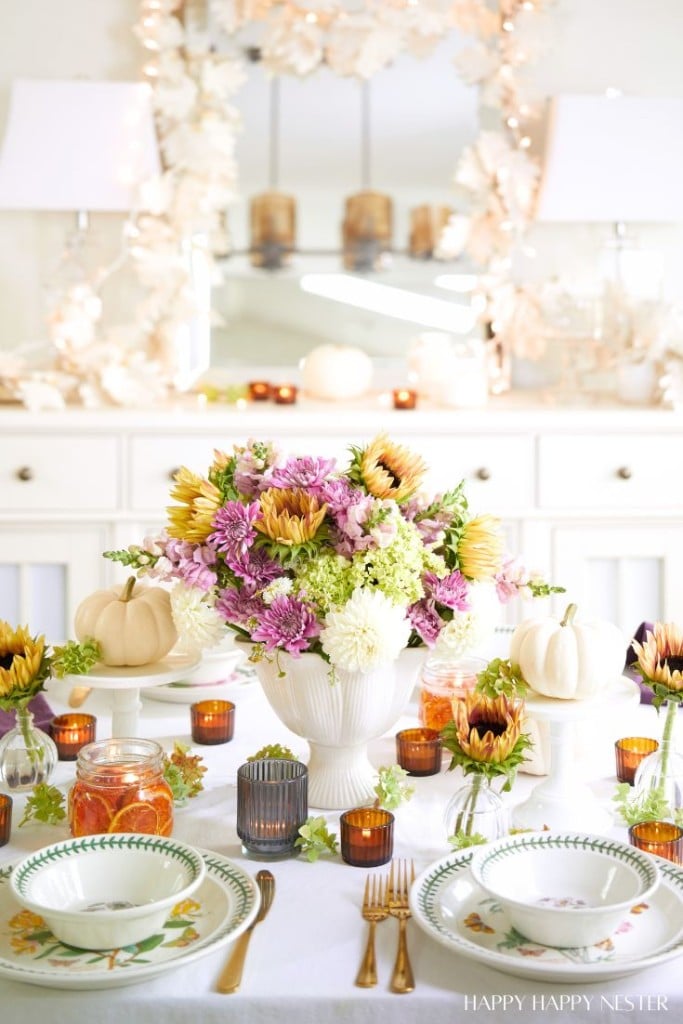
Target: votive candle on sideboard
404, 398
629, 752
367, 836
259, 390
72, 731
419, 751
5, 818
213, 721
284, 394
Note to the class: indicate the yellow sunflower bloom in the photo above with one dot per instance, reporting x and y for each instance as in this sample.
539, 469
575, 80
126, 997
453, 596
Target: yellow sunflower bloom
389, 470
290, 515
23, 664
480, 548
660, 658
487, 729
191, 521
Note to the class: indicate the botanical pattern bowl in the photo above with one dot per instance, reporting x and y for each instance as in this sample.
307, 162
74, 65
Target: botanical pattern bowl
564, 889
107, 891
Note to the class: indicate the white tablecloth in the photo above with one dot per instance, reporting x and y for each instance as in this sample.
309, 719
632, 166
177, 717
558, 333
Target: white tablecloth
303, 959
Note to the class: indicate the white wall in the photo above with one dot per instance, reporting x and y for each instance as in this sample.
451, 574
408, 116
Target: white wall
631, 44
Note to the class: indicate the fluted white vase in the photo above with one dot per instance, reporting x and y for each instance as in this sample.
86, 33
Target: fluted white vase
339, 718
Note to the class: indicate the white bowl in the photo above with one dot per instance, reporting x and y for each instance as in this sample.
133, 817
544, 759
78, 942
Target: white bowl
217, 663
107, 891
564, 889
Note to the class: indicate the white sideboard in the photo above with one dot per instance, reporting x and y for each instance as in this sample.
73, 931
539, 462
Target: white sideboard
591, 498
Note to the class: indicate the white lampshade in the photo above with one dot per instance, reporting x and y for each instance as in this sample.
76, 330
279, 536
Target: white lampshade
615, 159
77, 145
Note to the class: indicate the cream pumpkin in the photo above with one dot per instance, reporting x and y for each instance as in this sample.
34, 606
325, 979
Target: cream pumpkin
566, 659
133, 624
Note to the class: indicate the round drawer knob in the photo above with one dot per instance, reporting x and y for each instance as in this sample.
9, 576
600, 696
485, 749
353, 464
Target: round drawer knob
624, 472
172, 472
24, 473
483, 473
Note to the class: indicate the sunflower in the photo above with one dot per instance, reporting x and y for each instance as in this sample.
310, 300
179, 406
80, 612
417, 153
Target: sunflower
290, 515
192, 521
480, 548
660, 658
389, 470
24, 665
487, 728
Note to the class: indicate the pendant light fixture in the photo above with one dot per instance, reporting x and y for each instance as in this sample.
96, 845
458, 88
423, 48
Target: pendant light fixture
368, 216
272, 214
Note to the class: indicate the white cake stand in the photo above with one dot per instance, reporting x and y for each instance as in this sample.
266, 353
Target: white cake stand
563, 800
126, 683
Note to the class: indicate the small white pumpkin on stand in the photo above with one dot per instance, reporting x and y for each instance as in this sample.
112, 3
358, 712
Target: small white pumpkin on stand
132, 623
336, 372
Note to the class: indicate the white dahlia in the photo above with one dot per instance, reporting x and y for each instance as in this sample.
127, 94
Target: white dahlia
367, 632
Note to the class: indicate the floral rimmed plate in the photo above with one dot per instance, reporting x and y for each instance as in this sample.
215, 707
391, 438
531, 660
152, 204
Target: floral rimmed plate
224, 906
184, 692
451, 908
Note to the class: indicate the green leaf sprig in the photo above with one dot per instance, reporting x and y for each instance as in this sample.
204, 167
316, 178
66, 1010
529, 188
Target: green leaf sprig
502, 678
183, 772
461, 840
46, 804
75, 659
315, 840
273, 750
651, 806
391, 789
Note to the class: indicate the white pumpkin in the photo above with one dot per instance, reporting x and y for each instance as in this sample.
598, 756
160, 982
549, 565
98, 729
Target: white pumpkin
568, 660
336, 372
133, 625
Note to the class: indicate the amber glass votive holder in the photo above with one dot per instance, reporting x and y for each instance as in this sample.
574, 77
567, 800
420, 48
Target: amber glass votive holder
419, 751
629, 752
70, 732
213, 721
662, 838
259, 390
367, 836
284, 394
404, 398
5, 818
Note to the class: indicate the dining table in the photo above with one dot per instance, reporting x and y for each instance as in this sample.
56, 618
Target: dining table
303, 958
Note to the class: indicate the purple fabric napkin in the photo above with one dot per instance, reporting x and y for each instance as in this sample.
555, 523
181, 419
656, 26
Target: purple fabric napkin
42, 715
631, 659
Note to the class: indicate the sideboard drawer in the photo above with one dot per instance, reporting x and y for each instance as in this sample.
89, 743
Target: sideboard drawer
601, 471
63, 473
498, 470
155, 460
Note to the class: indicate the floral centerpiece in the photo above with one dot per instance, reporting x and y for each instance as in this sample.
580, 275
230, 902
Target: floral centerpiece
658, 786
352, 566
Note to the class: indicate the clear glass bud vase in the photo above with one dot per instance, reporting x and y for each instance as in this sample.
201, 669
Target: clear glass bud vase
476, 810
659, 778
27, 754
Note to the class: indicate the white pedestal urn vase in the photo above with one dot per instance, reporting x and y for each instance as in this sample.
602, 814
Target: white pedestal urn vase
338, 718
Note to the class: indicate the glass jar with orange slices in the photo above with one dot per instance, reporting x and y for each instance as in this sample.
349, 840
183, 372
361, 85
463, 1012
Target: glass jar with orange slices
444, 680
120, 787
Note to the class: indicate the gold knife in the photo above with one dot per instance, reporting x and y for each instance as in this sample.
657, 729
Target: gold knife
231, 976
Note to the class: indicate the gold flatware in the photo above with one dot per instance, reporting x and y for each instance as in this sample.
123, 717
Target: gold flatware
374, 910
231, 976
79, 695
398, 888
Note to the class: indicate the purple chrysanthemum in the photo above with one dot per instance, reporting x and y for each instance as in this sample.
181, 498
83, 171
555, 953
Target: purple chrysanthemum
192, 563
307, 472
425, 620
452, 591
240, 605
233, 524
255, 566
287, 623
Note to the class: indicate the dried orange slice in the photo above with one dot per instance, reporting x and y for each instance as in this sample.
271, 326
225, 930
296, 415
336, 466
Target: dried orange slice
136, 817
161, 800
89, 813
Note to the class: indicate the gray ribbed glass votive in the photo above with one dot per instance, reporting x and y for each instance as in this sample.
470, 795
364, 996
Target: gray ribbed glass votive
272, 805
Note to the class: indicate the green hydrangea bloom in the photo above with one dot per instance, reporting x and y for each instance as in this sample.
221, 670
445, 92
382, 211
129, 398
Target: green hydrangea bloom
326, 581
396, 569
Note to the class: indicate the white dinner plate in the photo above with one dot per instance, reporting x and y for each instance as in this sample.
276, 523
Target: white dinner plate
224, 906
183, 692
449, 906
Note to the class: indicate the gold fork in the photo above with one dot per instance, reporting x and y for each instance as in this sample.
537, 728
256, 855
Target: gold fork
398, 887
374, 909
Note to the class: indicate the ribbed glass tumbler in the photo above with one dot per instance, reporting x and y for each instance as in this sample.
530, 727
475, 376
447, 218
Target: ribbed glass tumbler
272, 805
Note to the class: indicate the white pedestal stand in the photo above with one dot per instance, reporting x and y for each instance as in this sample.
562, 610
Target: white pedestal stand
125, 684
563, 800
